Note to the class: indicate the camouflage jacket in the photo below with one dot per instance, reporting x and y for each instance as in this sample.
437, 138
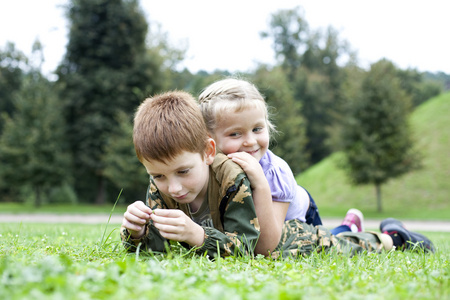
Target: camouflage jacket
235, 225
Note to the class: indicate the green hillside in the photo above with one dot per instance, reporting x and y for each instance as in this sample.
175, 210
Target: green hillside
422, 194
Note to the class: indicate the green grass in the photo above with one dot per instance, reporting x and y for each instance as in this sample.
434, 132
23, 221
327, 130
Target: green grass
17, 208
423, 194
67, 261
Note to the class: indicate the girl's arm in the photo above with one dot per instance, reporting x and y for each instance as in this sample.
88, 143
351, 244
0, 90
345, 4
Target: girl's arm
240, 224
270, 214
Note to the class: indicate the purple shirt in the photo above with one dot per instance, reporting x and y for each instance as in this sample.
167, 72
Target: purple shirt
283, 186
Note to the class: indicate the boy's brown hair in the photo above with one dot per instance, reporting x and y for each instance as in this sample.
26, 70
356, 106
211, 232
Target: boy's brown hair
168, 124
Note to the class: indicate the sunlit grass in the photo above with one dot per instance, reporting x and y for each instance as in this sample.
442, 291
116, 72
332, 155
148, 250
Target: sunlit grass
67, 261
18, 208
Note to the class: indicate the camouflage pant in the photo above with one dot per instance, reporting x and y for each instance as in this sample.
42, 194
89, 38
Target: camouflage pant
299, 238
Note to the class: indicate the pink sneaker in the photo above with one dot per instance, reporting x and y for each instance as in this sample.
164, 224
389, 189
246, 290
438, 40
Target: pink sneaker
354, 219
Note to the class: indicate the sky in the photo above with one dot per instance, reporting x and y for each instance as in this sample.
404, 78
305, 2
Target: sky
225, 34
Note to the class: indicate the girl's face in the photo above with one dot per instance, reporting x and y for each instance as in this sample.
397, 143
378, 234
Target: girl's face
243, 131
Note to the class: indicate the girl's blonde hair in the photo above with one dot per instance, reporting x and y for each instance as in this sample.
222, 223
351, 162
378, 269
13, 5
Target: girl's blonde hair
228, 96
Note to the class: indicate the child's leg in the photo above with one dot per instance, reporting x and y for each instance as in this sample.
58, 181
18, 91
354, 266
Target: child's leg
403, 238
369, 241
312, 214
299, 238
353, 221
340, 229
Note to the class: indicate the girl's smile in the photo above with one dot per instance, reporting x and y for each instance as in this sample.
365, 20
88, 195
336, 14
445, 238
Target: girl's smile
243, 131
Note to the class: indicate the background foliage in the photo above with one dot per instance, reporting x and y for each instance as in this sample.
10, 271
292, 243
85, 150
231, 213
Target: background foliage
376, 137
422, 194
70, 139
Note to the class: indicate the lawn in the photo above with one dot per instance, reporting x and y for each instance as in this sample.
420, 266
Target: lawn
75, 261
18, 208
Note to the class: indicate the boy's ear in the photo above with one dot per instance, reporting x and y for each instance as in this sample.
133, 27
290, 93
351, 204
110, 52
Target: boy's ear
210, 151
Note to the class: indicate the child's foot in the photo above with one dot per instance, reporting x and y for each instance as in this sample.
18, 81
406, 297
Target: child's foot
404, 238
354, 219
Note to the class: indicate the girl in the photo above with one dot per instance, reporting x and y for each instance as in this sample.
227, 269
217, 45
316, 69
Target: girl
238, 120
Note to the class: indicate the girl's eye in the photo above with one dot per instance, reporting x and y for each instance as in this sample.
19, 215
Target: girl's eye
257, 129
156, 176
234, 134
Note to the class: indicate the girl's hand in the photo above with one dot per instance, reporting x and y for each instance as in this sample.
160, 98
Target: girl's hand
135, 218
251, 167
270, 220
173, 224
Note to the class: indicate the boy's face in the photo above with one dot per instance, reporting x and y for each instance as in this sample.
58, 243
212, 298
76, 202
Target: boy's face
243, 131
185, 178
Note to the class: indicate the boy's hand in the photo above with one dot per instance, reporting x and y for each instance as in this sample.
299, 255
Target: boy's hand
135, 218
173, 224
251, 167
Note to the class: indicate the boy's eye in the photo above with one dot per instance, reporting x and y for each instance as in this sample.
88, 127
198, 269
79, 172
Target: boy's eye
156, 176
185, 171
234, 134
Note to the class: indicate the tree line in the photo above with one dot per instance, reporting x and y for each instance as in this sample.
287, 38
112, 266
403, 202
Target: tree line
70, 140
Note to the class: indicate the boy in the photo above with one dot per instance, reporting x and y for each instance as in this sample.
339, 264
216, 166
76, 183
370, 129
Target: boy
204, 200
196, 197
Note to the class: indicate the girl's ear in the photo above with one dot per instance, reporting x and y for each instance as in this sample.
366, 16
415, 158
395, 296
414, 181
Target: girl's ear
210, 151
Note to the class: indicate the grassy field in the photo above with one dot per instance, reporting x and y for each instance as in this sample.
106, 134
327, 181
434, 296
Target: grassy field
70, 261
74, 261
423, 194
18, 208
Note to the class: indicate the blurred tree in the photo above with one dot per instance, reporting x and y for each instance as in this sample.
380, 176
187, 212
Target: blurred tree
12, 64
202, 79
414, 83
317, 104
442, 79
319, 86
32, 146
289, 32
122, 166
310, 60
351, 92
427, 90
182, 80
376, 139
107, 68
290, 141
